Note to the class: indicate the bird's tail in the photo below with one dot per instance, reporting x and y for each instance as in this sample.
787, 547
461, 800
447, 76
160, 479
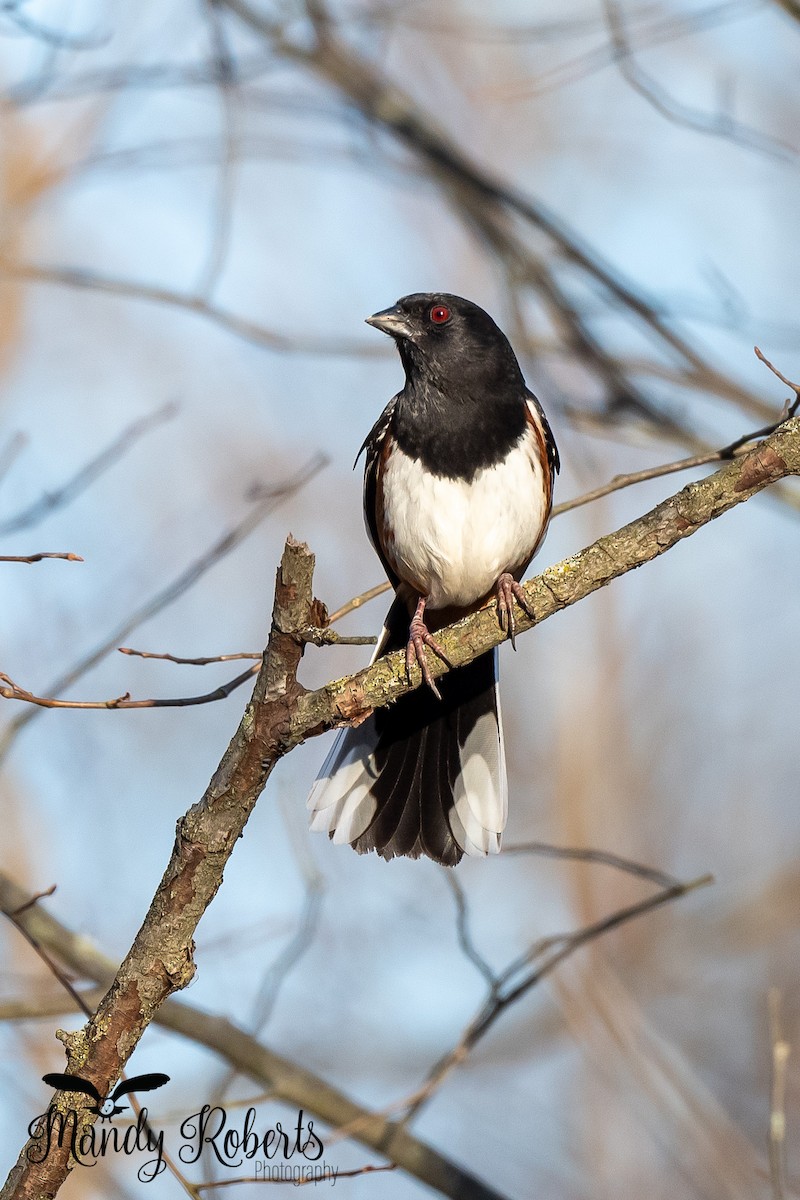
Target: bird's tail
423, 776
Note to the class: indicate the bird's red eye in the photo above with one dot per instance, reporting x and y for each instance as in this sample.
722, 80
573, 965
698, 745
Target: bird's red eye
439, 314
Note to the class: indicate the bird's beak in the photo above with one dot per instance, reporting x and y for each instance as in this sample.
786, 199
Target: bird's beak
391, 321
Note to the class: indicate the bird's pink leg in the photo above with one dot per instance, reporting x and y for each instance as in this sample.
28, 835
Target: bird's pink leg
508, 590
419, 637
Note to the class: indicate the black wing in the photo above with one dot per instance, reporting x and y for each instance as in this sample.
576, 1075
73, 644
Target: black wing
72, 1083
373, 445
140, 1083
552, 448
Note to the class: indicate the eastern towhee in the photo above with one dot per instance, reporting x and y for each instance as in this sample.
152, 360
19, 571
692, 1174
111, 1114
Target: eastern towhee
457, 496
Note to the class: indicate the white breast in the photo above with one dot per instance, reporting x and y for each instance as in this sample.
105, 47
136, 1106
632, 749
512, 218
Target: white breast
454, 539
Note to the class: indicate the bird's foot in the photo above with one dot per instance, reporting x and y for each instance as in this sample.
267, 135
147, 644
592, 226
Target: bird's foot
419, 636
508, 590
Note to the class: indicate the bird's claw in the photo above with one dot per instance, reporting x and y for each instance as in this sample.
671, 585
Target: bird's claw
418, 638
508, 590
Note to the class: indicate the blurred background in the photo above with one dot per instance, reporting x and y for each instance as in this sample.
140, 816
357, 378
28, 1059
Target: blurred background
199, 204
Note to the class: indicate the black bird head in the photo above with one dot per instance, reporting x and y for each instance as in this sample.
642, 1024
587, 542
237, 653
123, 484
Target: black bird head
452, 343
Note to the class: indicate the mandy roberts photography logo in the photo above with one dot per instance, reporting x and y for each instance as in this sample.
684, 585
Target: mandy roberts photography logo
269, 1152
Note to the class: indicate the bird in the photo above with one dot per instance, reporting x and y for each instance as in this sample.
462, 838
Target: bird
458, 490
107, 1107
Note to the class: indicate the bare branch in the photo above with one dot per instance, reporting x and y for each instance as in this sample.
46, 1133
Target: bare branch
545, 956
659, 33
13, 691
602, 857
225, 71
59, 39
46, 85
251, 331
191, 662
719, 125
790, 408
34, 558
357, 601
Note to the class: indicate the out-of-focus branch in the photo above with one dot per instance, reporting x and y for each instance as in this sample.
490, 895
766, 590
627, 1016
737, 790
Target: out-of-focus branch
57, 38
525, 973
199, 305
596, 858
736, 448
225, 71
658, 32
718, 125
10, 452
792, 7
89, 473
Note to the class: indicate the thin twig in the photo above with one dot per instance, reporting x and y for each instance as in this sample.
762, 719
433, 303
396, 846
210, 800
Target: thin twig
543, 958
790, 408
464, 933
719, 125
503, 992
12, 691
601, 857
190, 662
225, 71
34, 558
357, 601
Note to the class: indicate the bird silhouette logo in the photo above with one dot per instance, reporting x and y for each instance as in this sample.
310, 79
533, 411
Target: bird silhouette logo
108, 1107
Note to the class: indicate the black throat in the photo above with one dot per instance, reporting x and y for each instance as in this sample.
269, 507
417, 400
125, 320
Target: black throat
456, 435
